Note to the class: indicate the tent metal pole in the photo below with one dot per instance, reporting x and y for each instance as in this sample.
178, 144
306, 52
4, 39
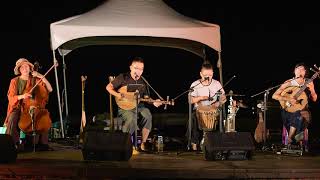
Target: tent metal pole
64, 66
223, 116
58, 93
219, 65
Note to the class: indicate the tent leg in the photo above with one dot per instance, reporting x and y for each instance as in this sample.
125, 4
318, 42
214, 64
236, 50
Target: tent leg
58, 93
219, 65
65, 86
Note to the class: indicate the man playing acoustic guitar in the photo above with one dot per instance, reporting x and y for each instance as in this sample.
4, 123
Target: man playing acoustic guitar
293, 95
126, 101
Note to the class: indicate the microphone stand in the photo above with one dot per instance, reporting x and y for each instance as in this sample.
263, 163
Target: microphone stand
144, 79
151, 88
165, 107
137, 94
191, 89
264, 110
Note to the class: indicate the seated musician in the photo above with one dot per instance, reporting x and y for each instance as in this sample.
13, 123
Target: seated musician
204, 94
22, 102
295, 115
127, 113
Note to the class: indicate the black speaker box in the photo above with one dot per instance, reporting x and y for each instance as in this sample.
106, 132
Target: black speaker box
8, 151
228, 146
102, 145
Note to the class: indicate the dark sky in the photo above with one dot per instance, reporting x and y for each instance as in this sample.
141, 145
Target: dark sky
261, 43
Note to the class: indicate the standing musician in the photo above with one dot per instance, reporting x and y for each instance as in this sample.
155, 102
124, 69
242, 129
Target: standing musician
23, 105
295, 115
205, 94
129, 114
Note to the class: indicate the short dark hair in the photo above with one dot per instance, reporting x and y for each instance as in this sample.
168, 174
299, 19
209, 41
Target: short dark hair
206, 65
137, 59
300, 64
304, 66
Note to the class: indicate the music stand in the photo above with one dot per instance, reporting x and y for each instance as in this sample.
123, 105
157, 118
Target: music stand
137, 88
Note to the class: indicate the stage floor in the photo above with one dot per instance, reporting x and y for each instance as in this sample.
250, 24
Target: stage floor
66, 162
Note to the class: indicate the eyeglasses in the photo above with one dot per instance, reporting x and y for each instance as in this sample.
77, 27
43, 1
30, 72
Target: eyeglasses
137, 68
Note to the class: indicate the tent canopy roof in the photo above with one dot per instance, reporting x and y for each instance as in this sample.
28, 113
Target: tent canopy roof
134, 22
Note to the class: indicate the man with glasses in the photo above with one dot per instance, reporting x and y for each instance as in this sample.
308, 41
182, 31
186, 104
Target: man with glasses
125, 81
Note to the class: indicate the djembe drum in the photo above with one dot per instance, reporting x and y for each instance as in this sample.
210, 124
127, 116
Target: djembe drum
207, 117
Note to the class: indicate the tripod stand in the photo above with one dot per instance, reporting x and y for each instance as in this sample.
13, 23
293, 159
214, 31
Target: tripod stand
264, 109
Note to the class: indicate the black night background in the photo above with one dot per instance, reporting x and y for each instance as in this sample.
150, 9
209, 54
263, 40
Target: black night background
261, 43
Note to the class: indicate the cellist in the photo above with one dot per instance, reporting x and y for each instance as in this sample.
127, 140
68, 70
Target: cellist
20, 98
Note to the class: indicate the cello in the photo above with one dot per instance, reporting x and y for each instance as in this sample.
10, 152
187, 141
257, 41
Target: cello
34, 117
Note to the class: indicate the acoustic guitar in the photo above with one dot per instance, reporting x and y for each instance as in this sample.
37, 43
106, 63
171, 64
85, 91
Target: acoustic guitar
298, 94
83, 114
128, 99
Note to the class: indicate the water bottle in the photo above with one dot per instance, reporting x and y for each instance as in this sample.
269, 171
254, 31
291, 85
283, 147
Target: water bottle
160, 144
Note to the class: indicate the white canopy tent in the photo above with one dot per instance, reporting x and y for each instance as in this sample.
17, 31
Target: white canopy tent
132, 22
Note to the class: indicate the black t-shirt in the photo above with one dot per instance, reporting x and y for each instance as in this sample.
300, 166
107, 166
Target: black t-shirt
125, 78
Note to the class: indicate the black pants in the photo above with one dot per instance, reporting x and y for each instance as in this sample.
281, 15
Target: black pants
196, 133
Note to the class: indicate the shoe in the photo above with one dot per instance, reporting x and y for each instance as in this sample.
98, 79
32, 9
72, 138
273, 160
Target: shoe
144, 147
135, 151
299, 137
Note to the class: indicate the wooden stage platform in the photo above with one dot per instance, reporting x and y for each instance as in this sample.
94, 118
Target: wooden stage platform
66, 162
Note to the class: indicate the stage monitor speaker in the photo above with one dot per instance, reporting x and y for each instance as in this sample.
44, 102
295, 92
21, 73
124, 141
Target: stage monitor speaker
102, 145
8, 151
228, 146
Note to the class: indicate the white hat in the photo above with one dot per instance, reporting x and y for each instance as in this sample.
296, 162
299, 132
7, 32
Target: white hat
19, 63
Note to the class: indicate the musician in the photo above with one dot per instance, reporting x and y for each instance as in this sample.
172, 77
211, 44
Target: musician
206, 91
296, 122
19, 98
129, 116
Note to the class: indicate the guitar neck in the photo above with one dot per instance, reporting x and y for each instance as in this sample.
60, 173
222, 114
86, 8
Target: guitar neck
160, 101
151, 100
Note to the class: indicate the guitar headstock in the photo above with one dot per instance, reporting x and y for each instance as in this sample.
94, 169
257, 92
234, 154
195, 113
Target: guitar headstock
111, 78
83, 78
315, 69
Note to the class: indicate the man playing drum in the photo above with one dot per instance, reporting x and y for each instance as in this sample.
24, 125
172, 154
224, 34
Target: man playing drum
207, 96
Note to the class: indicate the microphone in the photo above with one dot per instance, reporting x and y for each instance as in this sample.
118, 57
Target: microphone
206, 78
136, 76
